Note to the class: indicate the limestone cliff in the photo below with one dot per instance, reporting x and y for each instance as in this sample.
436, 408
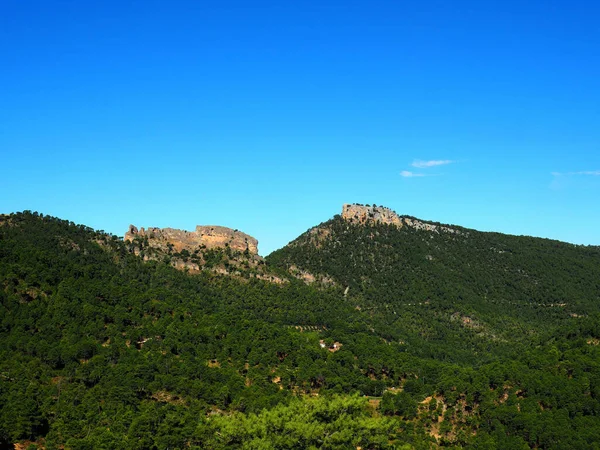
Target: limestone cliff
363, 214
204, 237
211, 248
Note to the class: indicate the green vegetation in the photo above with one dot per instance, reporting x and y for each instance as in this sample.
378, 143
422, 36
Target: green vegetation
453, 295
471, 339
328, 423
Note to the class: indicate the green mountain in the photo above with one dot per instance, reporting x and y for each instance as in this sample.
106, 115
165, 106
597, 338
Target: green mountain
462, 290
381, 331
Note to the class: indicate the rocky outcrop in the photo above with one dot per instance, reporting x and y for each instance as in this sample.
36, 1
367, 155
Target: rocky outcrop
204, 237
363, 214
212, 248
309, 278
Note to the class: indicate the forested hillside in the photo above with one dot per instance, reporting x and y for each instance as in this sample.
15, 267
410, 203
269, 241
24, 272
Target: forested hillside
468, 339
452, 284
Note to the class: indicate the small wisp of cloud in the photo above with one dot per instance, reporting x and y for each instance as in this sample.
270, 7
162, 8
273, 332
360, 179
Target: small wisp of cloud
561, 180
595, 173
421, 164
432, 163
409, 174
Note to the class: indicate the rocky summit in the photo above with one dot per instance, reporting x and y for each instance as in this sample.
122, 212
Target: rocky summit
204, 237
363, 214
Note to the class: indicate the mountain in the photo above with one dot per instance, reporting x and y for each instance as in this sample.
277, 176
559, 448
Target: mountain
456, 338
425, 278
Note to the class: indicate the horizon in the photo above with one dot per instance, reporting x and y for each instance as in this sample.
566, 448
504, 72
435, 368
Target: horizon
267, 118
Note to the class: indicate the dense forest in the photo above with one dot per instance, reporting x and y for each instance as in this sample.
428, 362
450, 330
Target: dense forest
408, 339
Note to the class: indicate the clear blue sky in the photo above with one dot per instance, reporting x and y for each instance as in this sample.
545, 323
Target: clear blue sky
268, 116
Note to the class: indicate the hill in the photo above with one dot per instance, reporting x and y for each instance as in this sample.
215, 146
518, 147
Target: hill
101, 349
424, 279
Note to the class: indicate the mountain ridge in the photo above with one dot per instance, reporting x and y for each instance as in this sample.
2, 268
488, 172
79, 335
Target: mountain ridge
460, 340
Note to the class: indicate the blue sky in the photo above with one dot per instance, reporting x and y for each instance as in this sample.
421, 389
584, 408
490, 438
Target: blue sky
268, 116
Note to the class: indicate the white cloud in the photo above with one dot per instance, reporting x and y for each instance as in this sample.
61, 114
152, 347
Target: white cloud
432, 163
409, 174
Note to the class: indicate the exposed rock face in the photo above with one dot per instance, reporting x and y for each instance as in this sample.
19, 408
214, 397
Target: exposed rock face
219, 250
203, 237
362, 214
309, 278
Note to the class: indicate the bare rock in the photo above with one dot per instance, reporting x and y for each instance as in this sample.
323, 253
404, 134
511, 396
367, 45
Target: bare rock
363, 214
204, 237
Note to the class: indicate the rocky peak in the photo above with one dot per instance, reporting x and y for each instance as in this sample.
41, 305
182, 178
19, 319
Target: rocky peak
362, 214
205, 236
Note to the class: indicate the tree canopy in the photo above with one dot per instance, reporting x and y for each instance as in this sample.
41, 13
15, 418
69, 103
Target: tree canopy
468, 339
